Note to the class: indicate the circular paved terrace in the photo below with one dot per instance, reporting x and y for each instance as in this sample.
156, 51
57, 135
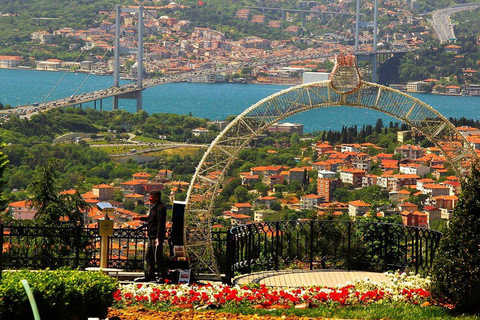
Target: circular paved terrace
305, 278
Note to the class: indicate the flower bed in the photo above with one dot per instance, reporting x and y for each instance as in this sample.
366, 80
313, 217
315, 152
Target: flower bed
403, 288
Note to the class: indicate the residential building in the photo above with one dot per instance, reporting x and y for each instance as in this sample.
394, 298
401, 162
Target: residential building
415, 219
141, 176
322, 166
132, 186
352, 176
273, 179
433, 212
237, 218
362, 161
310, 201
250, 179
369, 180
399, 196
10, 61
403, 136
164, 174
326, 174
199, 131
435, 190
266, 170
49, 65
322, 147
410, 152
398, 181
455, 90
21, 210
415, 86
358, 208
445, 202
298, 174
138, 199
326, 187
414, 169
351, 147
422, 182
260, 215
42, 37
103, 192
388, 164
286, 127
453, 48
407, 206
334, 207
242, 208
266, 201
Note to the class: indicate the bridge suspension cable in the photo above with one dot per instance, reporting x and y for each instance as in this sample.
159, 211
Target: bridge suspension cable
83, 49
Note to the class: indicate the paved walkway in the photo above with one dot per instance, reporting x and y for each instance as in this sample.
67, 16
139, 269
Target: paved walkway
303, 278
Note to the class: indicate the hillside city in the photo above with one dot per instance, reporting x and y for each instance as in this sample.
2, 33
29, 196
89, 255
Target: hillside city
410, 172
411, 182
174, 45
196, 206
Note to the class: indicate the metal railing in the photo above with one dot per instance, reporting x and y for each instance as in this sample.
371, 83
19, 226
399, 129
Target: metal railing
35, 247
315, 244
329, 244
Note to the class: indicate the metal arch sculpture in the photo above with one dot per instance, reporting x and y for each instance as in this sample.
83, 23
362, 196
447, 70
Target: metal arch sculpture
344, 89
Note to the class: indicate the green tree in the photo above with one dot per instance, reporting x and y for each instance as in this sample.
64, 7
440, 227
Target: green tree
51, 205
241, 194
3, 166
456, 272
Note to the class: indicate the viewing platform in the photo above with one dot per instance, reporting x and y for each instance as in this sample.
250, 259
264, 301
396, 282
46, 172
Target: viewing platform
306, 278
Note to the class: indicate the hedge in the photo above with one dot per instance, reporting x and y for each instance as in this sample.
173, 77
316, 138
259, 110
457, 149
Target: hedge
59, 294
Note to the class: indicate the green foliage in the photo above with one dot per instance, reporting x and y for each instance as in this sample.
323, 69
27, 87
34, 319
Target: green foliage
3, 166
372, 235
50, 203
456, 271
60, 294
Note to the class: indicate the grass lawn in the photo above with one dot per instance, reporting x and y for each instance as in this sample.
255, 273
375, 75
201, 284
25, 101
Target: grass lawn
387, 311
148, 139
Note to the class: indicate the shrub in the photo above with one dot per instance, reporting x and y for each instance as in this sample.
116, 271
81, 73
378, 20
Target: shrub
60, 294
456, 270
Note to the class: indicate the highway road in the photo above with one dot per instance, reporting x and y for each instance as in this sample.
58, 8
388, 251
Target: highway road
442, 23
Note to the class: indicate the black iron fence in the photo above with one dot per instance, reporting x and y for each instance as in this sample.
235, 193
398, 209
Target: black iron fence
334, 244
35, 247
351, 245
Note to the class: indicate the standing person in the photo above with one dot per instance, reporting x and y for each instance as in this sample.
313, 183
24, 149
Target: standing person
156, 228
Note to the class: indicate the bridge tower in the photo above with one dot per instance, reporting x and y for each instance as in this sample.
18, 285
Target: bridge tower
373, 56
138, 51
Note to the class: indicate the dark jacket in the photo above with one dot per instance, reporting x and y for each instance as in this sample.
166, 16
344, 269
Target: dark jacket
156, 221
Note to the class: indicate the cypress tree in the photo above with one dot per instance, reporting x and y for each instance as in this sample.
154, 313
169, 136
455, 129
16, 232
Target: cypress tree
456, 270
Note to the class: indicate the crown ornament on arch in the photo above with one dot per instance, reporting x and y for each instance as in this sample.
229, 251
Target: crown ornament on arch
345, 77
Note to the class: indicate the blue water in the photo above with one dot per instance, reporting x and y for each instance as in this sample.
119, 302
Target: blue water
212, 101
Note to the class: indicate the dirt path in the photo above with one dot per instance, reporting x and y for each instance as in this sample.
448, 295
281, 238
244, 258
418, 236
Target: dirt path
143, 314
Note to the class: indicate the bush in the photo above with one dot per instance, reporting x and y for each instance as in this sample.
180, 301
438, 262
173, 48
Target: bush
456, 271
60, 294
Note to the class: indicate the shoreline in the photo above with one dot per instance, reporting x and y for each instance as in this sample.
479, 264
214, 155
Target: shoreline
230, 82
